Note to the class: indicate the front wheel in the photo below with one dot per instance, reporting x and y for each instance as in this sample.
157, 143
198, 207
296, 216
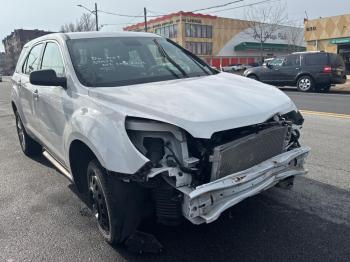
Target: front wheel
305, 84
115, 204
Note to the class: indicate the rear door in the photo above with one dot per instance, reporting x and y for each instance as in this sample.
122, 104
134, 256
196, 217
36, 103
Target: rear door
271, 72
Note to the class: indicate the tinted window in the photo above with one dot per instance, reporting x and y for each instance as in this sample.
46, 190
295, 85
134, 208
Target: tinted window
292, 60
52, 59
277, 61
33, 58
336, 60
316, 59
126, 61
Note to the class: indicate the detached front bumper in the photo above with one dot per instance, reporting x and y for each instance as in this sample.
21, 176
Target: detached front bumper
205, 203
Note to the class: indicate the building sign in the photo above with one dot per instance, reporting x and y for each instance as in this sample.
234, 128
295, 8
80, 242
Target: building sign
311, 28
340, 41
280, 36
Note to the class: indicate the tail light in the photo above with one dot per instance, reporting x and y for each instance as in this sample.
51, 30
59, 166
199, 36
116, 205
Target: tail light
327, 69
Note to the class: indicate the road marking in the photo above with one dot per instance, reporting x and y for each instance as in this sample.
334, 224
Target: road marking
315, 113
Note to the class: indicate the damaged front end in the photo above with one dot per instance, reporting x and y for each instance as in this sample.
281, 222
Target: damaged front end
199, 178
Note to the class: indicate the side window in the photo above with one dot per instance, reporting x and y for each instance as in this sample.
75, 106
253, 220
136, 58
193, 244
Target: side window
52, 59
277, 61
292, 60
316, 59
32, 61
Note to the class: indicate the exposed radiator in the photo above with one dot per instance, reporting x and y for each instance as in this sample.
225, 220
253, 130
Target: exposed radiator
248, 151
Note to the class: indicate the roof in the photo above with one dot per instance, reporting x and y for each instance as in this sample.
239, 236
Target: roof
167, 17
92, 34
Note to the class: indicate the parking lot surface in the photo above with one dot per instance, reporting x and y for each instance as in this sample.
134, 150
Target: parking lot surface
43, 219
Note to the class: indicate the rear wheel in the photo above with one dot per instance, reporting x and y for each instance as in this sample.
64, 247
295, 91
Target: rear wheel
305, 84
29, 146
116, 205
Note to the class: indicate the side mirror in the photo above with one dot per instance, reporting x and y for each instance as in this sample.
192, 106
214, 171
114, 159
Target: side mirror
47, 78
268, 65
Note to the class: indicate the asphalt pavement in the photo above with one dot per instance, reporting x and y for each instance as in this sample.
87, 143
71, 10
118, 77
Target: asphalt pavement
43, 219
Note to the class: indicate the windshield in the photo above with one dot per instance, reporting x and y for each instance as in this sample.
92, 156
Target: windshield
121, 61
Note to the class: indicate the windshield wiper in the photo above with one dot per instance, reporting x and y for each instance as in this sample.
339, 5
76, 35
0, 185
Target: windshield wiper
162, 51
172, 72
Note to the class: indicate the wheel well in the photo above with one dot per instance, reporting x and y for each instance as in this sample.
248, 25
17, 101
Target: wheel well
79, 157
252, 74
305, 74
14, 108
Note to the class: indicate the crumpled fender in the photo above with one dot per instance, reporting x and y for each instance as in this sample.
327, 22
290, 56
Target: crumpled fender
105, 134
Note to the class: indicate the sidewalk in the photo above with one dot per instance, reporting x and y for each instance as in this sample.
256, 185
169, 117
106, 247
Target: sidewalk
342, 88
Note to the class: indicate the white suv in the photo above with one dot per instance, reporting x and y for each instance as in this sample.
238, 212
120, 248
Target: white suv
141, 125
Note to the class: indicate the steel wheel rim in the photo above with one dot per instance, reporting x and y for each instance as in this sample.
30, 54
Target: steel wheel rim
305, 84
20, 132
99, 205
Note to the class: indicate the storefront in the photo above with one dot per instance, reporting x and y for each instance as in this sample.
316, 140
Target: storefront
330, 34
222, 41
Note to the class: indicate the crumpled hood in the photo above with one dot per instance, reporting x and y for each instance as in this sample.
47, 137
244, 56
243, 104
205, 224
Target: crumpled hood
201, 105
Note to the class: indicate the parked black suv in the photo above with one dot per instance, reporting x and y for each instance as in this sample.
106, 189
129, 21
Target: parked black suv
306, 70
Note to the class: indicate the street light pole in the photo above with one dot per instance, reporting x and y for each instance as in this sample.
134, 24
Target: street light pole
96, 16
92, 12
145, 14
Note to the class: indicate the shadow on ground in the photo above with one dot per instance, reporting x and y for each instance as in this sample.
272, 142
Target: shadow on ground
257, 229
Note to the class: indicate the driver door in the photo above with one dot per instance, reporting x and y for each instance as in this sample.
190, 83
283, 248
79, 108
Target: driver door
53, 105
273, 73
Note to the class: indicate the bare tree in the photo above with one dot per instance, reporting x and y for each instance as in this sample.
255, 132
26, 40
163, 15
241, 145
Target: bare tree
85, 23
295, 37
264, 22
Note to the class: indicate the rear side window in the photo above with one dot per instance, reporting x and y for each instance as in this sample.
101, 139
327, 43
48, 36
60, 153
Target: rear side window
316, 59
33, 59
292, 60
336, 60
52, 59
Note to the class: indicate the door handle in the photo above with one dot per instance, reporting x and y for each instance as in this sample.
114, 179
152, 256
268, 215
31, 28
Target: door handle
297, 68
36, 94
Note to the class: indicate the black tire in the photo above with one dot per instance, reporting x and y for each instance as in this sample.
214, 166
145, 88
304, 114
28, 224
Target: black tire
252, 76
28, 145
116, 205
305, 84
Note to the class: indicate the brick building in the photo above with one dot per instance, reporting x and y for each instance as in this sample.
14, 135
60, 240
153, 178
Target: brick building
221, 41
14, 43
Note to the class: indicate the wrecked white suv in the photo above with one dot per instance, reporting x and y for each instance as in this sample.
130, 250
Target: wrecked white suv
143, 127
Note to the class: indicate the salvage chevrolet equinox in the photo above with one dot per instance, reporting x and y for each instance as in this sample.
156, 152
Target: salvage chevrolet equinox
145, 128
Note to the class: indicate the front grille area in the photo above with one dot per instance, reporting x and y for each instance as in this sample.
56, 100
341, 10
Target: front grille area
248, 151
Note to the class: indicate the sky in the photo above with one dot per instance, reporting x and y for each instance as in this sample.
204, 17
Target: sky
51, 14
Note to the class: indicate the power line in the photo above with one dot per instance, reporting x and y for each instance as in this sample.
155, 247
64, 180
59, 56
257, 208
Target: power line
140, 16
217, 6
237, 7
125, 15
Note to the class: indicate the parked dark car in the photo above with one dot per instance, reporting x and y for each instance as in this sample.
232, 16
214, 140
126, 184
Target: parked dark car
306, 70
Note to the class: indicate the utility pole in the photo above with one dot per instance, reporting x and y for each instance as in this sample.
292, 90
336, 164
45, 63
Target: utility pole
145, 14
96, 16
